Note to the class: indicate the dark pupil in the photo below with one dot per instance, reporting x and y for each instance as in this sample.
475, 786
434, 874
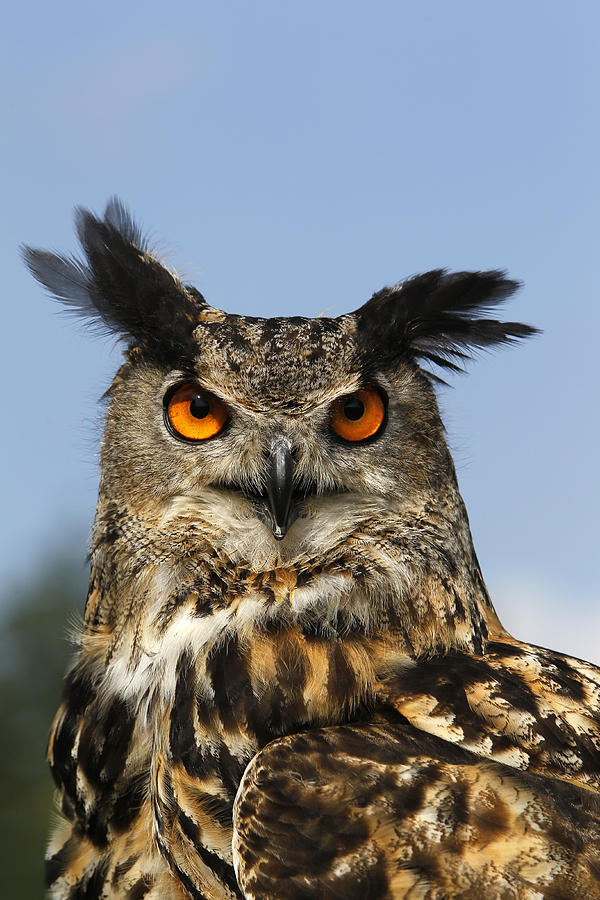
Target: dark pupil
199, 407
354, 409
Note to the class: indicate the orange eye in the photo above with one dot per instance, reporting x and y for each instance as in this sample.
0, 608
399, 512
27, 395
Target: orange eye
194, 414
358, 416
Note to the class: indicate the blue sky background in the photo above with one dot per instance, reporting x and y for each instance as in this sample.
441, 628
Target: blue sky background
294, 158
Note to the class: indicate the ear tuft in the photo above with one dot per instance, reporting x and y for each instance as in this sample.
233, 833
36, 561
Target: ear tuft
438, 317
122, 285
118, 217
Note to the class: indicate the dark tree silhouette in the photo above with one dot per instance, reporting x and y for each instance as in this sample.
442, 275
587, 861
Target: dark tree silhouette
34, 653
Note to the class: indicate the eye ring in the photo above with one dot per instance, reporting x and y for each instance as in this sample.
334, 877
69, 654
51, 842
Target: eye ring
359, 417
193, 414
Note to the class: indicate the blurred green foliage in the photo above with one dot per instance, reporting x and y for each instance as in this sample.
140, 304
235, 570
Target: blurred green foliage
35, 621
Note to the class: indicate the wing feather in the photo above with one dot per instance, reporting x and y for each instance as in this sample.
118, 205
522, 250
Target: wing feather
382, 810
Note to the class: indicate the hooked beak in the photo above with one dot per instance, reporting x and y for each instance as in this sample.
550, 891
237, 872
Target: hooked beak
279, 488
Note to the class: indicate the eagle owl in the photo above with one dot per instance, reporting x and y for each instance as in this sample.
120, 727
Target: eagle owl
291, 681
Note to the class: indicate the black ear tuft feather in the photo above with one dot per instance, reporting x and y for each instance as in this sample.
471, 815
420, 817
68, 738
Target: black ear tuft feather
438, 317
122, 285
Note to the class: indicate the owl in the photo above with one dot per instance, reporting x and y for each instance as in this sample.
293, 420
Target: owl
291, 681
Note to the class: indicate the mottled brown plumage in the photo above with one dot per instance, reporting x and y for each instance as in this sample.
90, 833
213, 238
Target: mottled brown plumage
291, 681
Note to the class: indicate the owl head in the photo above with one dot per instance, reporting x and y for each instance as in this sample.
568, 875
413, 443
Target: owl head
278, 432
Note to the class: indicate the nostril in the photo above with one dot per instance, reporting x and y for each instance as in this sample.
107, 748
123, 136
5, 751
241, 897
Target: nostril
268, 452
